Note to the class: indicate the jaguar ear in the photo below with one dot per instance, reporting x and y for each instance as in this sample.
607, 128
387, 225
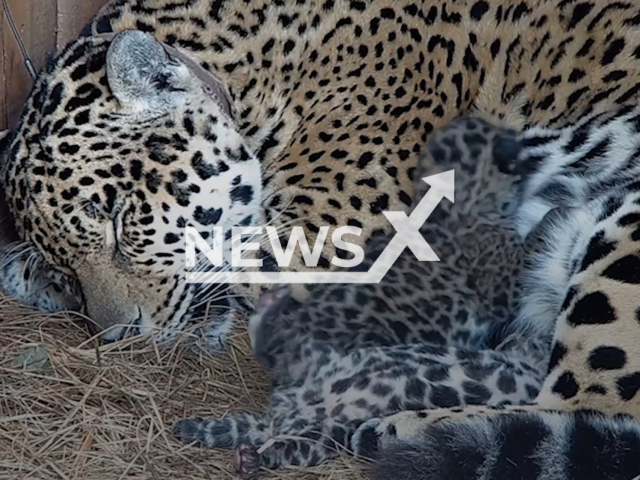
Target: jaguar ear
139, 72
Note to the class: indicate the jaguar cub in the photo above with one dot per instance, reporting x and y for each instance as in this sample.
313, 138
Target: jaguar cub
451, 302
354, 352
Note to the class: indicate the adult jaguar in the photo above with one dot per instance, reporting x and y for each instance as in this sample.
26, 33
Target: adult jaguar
120, 146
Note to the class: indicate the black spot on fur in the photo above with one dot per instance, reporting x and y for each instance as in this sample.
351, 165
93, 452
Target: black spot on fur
611, 207
171, 238
557, 354
381, 390
442, 396
506, 383
475, 393
629, 219
625, 270
341, 386
478, 10
612, 51
437, 374
578, 139
242, 194
596, 390
598, 249
203, 169
415, 389
592, 309
571, 293
580, 11
628, 386
505, 153
607, 358
532, 391
566, 385
207, 217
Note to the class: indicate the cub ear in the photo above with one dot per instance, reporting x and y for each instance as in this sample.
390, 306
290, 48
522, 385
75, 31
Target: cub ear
506, 149
139, 72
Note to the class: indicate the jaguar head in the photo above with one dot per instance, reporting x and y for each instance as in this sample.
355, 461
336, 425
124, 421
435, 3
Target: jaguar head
120, 148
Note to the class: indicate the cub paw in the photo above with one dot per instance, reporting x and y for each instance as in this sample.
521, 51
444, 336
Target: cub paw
270, 306
365, 440
379, 433
247, 461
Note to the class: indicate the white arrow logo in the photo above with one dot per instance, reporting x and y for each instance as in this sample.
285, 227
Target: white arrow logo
407, 235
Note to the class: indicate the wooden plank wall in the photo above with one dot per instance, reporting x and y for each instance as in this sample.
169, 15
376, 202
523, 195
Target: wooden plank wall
45, 26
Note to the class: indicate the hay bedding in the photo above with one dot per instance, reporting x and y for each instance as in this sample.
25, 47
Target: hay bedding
74, 410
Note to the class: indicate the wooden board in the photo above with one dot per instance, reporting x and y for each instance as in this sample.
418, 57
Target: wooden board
36, 20
73, 15
45, 26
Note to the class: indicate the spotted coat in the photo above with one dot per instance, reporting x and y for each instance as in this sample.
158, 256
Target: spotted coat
419, 339
331, 103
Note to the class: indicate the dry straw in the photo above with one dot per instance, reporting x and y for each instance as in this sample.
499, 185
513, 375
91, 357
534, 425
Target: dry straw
72, 409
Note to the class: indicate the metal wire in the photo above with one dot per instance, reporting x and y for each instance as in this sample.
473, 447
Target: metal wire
23, 50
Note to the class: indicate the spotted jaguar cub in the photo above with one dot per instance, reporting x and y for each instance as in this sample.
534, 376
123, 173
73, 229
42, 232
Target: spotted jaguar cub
451, 302
354, 352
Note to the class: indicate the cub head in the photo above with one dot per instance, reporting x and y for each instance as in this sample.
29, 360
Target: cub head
120, 148
486, 162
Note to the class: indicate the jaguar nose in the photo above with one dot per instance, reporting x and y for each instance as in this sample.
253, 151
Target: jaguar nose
113, 320
108, 299
116, 333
